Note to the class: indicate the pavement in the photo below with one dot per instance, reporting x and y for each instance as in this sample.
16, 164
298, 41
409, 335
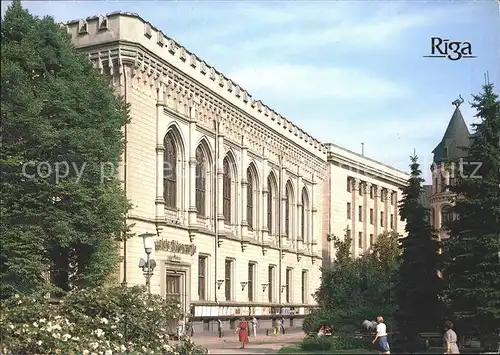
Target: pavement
262, 344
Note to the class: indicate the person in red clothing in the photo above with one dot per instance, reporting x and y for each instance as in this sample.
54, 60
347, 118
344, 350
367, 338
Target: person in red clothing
242, 331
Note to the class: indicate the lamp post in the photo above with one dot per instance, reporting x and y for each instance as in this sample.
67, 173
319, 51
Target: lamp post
149, 264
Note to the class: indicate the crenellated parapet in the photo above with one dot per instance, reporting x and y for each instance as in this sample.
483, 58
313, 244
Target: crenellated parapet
152, 61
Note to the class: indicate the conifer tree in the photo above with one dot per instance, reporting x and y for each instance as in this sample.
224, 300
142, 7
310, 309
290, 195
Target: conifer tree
473, 250
57, 112
419, 286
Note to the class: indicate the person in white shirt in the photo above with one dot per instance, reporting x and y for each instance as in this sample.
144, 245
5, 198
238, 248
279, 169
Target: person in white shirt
254, 326
381, 337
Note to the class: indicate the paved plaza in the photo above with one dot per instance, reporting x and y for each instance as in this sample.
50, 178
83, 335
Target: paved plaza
262, 344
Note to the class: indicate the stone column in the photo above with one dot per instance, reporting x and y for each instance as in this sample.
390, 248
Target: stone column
376, 212
354, 200
314, 212
160, 149
300, 238
244, 188
192, 212
282, 200
265, 192
387, 213
396, 211
220, 174
366, 197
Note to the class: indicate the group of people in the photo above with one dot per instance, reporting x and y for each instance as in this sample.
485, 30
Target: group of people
450, 340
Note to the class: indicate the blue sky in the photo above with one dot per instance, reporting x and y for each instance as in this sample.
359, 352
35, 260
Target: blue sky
345, 71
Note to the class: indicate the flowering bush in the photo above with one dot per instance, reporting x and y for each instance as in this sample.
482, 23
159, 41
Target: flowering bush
114, 320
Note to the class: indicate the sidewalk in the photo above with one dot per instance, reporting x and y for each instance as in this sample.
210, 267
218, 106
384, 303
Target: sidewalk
262, 343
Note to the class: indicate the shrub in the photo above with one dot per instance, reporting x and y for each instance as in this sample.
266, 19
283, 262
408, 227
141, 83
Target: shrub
333, 343
114, 320
316, 344
348, 343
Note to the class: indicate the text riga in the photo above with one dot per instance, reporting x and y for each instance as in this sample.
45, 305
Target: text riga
443, 48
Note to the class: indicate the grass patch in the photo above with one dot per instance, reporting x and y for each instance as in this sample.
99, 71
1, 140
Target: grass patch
298, 350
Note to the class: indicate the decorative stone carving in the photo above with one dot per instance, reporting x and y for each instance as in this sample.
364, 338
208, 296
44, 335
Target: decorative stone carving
193, 61
83, 27
161, 38
102, 23
172, 46
183, 54
147, 29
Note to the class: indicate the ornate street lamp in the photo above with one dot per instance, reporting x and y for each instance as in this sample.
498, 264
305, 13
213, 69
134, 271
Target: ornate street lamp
149, 264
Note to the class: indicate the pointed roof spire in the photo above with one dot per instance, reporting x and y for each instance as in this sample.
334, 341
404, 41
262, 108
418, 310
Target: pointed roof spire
455, 138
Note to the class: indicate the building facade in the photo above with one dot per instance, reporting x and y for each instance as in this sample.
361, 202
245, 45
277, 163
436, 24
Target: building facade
360, 201
241, 201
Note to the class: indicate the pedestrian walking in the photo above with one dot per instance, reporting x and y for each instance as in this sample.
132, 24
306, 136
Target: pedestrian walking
254, 326
219, 328
450, 339
282, 325
381, 337
242, 331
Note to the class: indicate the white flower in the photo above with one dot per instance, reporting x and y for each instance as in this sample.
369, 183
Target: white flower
56, 335
39, 342
11, 326
123, 348
99, 332
35, 324
104, 321
66, 336
85, 352
94, 345
120, 335
42, 320
16, 295
108, 352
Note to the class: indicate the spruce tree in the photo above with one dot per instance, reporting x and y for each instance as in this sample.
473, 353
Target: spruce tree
57, 112
473, 259
419, 286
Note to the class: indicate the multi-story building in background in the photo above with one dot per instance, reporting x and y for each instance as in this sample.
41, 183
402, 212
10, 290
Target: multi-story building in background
241, 201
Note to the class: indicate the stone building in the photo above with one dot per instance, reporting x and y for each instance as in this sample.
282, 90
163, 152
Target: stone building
241, 201
445, 168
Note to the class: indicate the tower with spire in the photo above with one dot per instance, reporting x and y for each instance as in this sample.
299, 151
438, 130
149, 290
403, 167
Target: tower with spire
448, 156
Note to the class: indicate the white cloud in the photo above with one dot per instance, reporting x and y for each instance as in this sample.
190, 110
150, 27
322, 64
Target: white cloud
313, 82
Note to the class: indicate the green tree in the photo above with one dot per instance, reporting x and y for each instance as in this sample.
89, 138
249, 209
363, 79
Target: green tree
57, 112
355, 289
473, 259
419, 287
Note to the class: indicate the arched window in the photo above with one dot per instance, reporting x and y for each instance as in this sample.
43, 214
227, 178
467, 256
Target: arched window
288, 208
200, 184
226, 191
170, 172
303, 215
270, 199
249, 199
446, 215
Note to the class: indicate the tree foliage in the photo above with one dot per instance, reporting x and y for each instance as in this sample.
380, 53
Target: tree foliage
419, 287
354, 289
113, 320
57, 112
473, 259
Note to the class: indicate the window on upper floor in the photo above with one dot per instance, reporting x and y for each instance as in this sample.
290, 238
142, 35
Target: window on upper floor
170, 171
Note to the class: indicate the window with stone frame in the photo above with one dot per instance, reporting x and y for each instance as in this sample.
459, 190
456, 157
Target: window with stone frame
200, 183
250, 187
170, 172
288, 208
304, 215
226, 191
